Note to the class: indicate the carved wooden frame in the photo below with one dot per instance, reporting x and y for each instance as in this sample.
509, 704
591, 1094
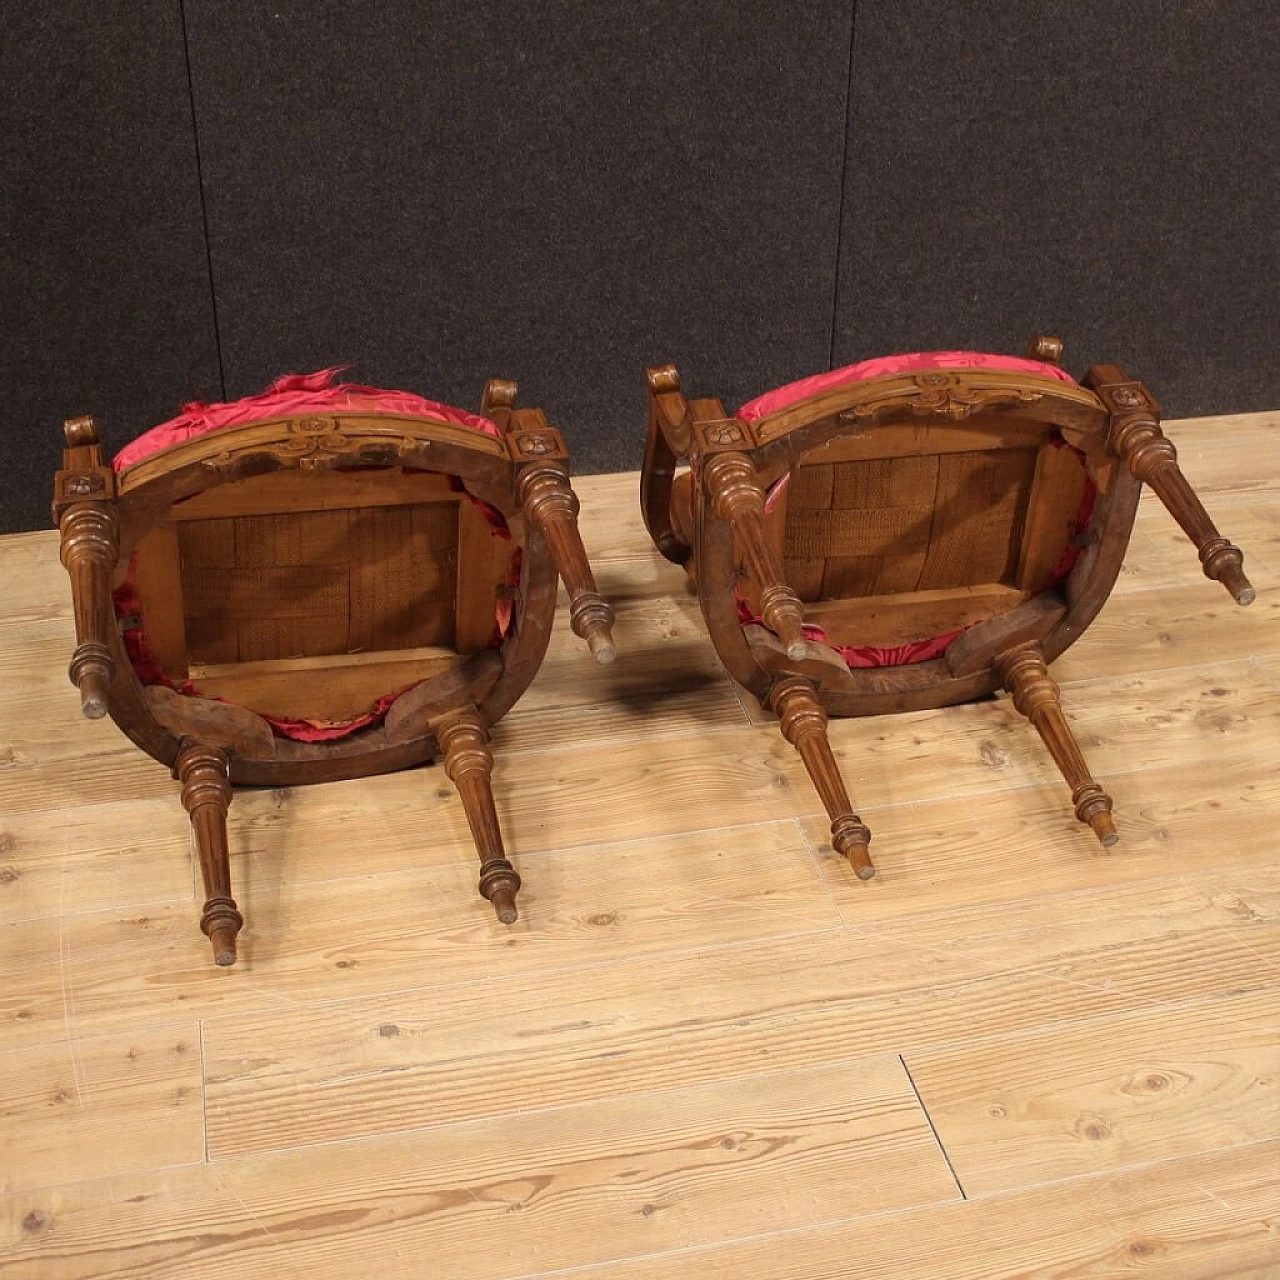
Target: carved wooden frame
523, 474
1111, 419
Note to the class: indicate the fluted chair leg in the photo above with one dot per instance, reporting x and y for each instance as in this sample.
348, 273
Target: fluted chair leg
551, 505
206, 796
1036, 696
804, 725
468, 762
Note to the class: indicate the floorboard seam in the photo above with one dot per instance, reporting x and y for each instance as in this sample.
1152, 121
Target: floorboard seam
933, 1129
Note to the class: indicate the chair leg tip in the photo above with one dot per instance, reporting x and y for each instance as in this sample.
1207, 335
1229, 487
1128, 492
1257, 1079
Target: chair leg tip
224, 948
865, 872
1105, 829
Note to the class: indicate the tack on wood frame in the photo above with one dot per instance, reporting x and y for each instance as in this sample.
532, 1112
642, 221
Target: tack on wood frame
455, 697
739, 548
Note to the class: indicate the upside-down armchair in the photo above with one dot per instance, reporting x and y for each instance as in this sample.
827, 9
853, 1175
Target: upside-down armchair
321, 582
910, 533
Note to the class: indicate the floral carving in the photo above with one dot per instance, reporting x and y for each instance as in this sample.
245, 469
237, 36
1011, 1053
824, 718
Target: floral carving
316, 442
532, 445
313, 444
84, 485
726, 433
1129, 398
942, 395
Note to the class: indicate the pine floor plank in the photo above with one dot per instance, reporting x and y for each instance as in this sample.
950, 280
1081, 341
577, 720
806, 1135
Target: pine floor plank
328, 940
411, 1058
686, 1059
1008, 846
100, 1105
1185, 1078
481, 1202
1203, 1218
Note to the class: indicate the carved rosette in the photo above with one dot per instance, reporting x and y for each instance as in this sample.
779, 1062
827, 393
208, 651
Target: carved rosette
536, 446
722, 435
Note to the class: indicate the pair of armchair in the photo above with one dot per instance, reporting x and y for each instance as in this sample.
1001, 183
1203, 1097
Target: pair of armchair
327, 582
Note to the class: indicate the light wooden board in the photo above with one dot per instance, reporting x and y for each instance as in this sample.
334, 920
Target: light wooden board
92, 1106
689, 1058
1205, 1218
540, 1191
717, 1013
1103, 1094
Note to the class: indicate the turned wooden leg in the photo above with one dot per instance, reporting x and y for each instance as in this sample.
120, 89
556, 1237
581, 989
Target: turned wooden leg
551, 505
1035, 694
804, 725
206, 795
469, 764
737, 497
89, 539
1135, 436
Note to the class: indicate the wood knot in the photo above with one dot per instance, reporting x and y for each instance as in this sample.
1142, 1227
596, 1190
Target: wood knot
1093, 1129
36, 1220
1143, 1249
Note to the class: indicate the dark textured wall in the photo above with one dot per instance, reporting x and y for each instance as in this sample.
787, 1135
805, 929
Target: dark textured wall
1103, 171
105, 304
203, 195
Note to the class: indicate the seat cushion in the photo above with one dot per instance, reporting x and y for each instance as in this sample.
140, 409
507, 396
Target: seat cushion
914, 362
293, 393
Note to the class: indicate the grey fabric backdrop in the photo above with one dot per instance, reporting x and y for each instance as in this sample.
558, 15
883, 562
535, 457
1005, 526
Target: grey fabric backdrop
204, 195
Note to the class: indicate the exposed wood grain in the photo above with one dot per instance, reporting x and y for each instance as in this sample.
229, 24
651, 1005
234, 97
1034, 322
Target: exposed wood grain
715, 1014
1202, 1218
336, 687
1103, 1094
694, 964
527, 1194
102, 1105
412, 929
888, 620
1008, 847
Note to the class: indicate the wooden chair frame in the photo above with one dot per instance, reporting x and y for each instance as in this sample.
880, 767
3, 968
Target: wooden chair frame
211, 745
1113, 420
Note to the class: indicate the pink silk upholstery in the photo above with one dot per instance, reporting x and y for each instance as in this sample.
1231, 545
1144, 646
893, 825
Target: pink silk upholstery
293, 393
914, 362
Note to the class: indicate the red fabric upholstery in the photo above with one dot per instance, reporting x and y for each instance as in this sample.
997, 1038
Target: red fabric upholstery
913, 362
293, 393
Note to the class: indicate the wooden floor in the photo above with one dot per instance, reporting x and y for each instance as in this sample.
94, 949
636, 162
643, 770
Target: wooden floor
705, 1050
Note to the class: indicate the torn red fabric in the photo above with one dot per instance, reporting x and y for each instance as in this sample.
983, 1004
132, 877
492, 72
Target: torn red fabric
292, 394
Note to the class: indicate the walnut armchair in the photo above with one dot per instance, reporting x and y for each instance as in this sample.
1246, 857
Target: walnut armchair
913, 532
321, 583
